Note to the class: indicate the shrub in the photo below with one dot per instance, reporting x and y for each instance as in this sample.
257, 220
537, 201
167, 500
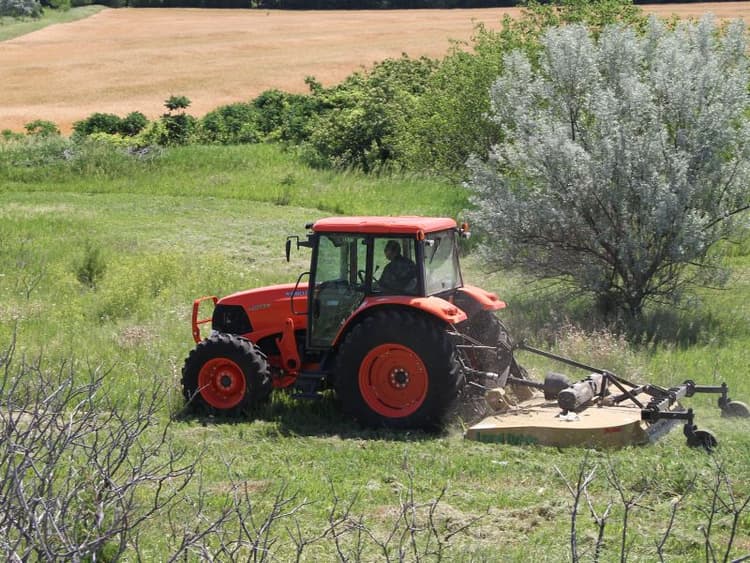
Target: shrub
92, 266
41, 128
230, 124
9, 135
296, 126
35, 151
179, 127
98, 123
271, 106
57, 4
20, 8
132, 124
447, 124
624, 162
359, 117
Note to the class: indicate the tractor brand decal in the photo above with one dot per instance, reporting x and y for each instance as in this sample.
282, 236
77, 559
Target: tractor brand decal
260, 307
298, 293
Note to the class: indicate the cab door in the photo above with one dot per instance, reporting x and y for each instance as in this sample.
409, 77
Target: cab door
338, 284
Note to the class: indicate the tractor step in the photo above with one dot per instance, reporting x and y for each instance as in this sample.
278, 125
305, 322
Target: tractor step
309, 384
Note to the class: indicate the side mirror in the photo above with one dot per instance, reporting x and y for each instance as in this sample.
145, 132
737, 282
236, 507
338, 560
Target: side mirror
288, 248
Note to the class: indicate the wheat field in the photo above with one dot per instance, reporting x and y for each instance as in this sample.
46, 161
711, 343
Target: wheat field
124, 60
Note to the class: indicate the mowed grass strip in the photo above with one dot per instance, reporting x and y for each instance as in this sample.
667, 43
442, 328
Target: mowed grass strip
12, 27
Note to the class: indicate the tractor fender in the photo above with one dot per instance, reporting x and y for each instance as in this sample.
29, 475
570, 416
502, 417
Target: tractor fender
487, 300
435, 306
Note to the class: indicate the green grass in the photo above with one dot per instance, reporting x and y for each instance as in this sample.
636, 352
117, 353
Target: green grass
201, 221
251, 173
12, 27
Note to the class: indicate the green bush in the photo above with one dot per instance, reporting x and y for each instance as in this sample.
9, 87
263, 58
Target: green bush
111, 124
360, 117
296, 126
230, 124
41, 128
34, 151
57, 4
91, 267
271, 106
9, 135
20, 8
132, 124
180, 128
98, 123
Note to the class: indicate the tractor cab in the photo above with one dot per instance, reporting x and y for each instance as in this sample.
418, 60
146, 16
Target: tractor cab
369, 261
376, 318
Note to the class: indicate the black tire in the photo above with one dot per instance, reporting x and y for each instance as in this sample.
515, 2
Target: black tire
225, 375
398, 369
486, 328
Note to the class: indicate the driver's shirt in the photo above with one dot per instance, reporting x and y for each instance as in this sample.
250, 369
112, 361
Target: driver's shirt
399, 275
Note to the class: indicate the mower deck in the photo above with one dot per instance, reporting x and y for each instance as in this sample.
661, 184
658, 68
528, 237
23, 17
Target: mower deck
543, 422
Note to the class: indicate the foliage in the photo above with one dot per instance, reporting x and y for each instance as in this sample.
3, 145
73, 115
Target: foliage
271, 106
132, 124
17, 27
624, 160
57, 4
230, 124
179, 127
110, 124
41, 127
447, 123
360, 116
20, 8
29, 152
91, 267
174, 103
98, 123
297, 121
9, 135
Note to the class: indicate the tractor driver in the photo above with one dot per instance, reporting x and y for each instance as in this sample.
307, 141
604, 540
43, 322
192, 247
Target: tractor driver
400, 274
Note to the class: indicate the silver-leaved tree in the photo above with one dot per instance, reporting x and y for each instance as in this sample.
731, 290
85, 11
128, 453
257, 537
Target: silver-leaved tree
624, 160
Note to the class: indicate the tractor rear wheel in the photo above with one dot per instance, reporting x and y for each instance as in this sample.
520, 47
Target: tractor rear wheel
398, 369
226, 375
485, 328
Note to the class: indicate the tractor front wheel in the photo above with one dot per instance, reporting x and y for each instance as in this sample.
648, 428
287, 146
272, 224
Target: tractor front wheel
225, 375
397, 369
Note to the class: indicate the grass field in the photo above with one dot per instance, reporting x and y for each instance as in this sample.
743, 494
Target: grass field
202, 221
125, 60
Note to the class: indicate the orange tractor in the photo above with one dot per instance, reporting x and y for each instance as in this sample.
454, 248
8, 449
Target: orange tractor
384, 318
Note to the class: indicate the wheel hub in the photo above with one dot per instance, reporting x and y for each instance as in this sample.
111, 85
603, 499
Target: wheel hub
222, 383
393, 380
399, 378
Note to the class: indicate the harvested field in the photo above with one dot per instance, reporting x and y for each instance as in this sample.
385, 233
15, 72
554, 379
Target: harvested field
133, 59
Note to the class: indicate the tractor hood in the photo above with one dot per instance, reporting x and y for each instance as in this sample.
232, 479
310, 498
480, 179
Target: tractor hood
262, 296
265, 308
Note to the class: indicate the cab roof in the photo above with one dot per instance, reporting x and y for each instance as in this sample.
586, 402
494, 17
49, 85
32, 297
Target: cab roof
404, 225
